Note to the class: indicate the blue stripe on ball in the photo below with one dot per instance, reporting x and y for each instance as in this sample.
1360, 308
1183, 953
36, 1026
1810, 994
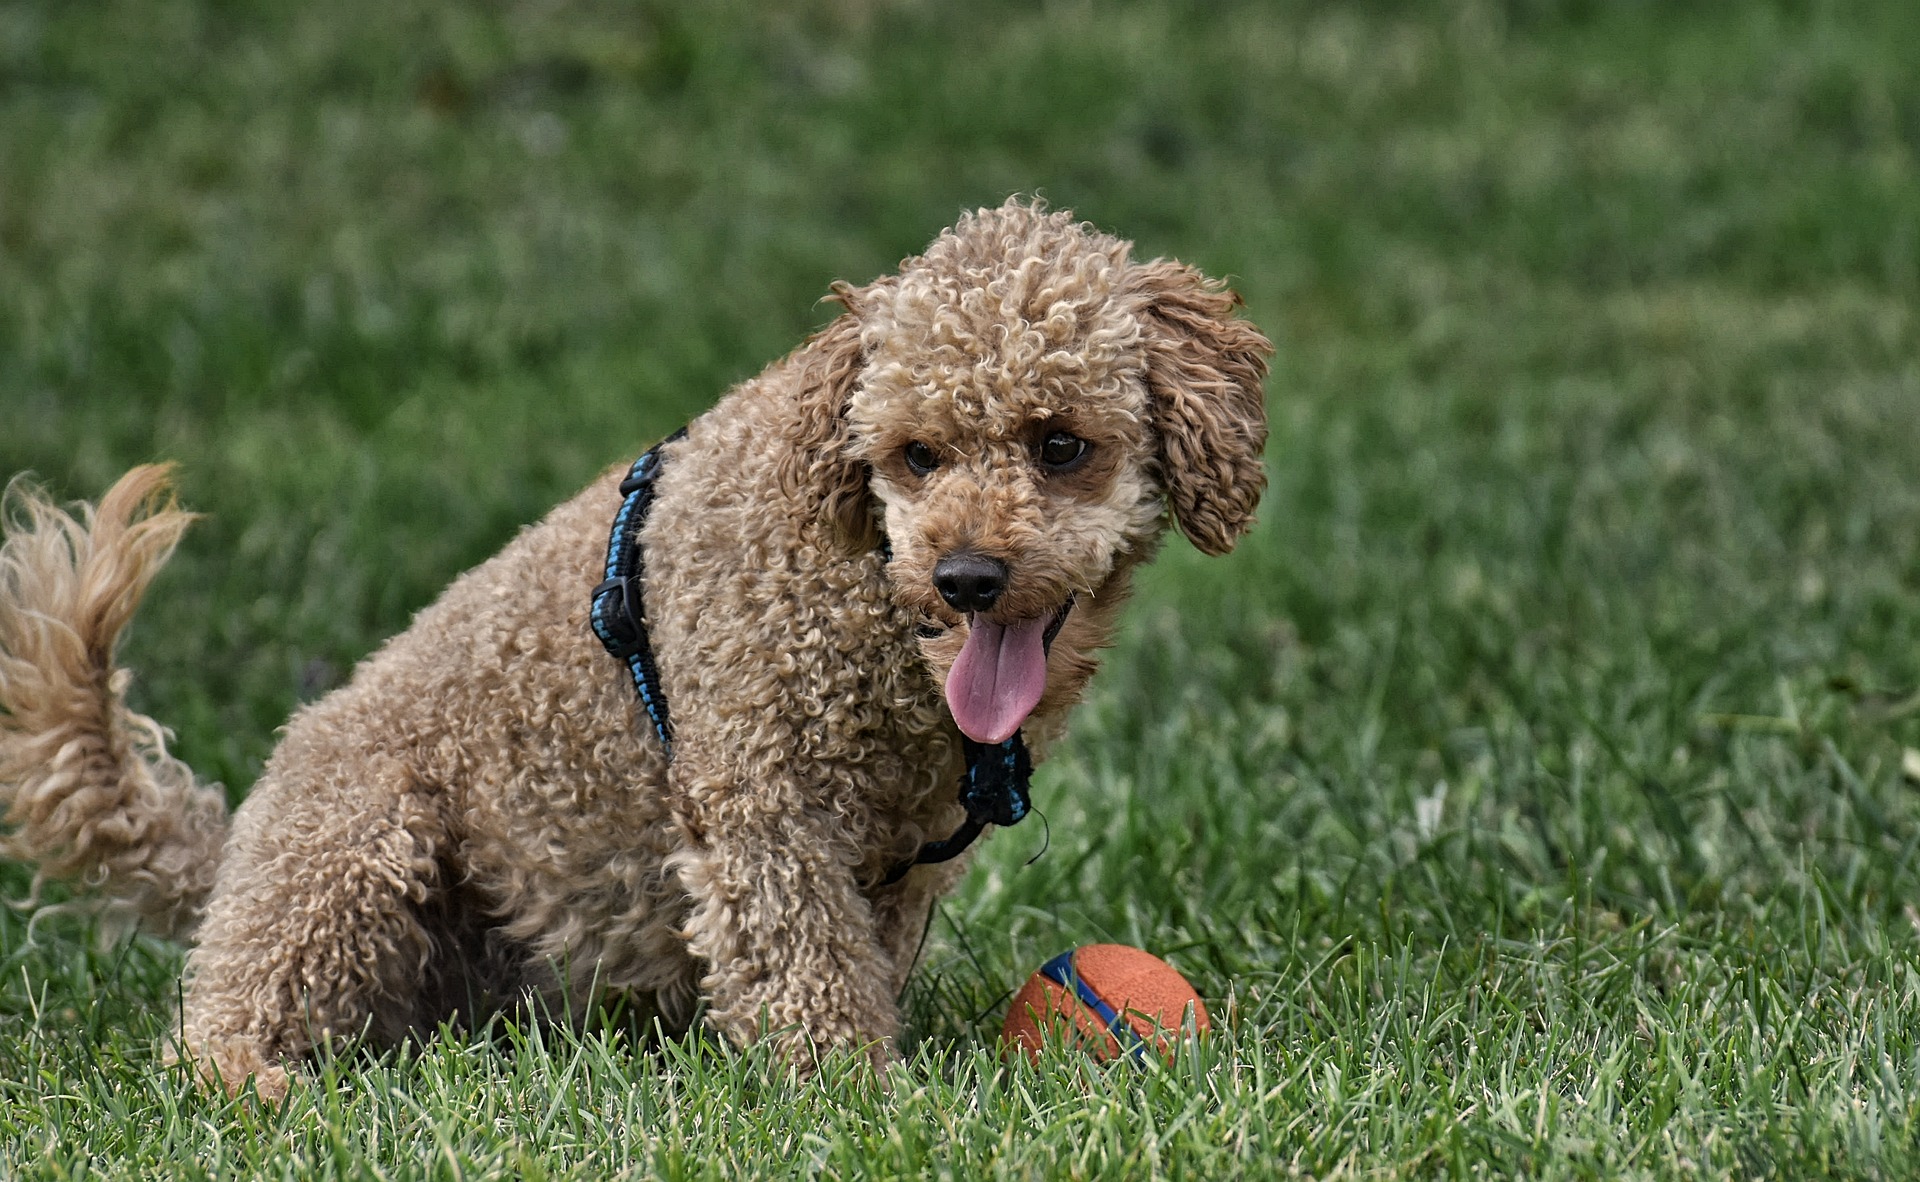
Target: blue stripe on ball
1061, 972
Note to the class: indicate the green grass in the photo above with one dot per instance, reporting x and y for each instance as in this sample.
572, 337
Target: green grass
1525, 795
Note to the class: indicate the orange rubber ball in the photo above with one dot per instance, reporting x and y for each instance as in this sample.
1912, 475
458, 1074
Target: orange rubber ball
1109, 1000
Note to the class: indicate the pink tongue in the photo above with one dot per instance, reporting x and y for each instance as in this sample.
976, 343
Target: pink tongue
998, 678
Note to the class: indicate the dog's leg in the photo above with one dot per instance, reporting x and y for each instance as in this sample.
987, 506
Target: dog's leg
789, 941
903, 914
314, 931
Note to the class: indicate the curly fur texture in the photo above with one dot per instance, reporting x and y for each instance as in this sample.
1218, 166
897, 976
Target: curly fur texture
481, 815
87, 785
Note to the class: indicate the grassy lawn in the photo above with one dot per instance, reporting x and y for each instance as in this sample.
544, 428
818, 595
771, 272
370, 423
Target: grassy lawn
1525, 795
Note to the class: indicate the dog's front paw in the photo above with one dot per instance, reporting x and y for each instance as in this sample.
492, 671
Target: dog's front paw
806, 1053
809, 1037
231, 1064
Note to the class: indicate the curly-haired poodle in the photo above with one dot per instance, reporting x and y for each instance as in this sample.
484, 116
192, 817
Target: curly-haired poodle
919, 526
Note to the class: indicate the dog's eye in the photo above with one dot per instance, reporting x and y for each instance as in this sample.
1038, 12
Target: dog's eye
1061, 451
921, 458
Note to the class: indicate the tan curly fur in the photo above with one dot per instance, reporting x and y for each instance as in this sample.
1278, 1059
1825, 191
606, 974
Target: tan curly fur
87, 786
482, 816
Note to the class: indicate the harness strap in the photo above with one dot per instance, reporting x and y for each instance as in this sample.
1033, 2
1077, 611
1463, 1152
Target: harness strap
993, 789
618, 614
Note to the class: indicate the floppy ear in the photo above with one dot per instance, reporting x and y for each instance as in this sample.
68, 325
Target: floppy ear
1204, 368
814, 466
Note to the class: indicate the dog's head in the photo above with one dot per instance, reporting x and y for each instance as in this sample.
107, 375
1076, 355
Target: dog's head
1018, 408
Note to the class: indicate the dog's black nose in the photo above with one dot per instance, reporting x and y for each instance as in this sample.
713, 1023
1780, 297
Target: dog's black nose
969, 582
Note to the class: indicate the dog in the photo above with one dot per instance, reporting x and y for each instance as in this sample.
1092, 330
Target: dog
883, 567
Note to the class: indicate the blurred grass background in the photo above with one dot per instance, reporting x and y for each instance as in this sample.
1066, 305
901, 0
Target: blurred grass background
1530, 779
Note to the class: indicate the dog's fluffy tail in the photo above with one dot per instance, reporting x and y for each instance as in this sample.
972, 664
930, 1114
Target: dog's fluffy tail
87, 788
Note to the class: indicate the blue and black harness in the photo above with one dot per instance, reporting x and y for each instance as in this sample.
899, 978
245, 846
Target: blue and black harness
993, 789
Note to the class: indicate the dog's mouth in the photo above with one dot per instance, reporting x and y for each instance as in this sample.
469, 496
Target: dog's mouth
1001, 673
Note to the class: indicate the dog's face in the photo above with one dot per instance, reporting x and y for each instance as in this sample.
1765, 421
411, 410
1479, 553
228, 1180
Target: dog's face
1003, 415
1026, 403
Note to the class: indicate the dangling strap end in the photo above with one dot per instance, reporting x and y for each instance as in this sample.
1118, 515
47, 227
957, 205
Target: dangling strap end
935, 852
